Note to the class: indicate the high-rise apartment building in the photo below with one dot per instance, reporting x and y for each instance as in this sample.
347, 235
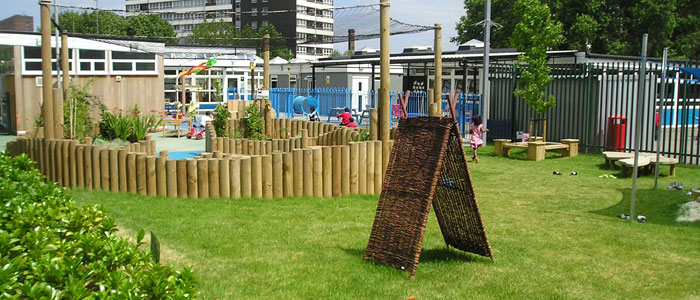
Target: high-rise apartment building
299, 21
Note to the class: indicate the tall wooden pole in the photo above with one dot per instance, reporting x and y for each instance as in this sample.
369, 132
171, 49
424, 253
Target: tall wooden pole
46, 70
266, 66
384, 100
437, 47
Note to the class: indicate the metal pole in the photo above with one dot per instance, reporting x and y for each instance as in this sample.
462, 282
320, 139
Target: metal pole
485, 75
437, 88
97, 17
47, 92
661, 117
384, 98
64, 66
638, 124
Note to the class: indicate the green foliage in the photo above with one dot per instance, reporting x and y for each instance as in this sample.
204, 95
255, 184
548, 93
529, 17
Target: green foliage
608, 26
222, 33
220, 122
77, 111
52, 248
150, 26
533, 35
131, 127
337, 53
362, 136
218, 89
253, 122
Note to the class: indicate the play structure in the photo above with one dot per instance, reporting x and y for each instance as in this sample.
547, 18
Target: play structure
427, 166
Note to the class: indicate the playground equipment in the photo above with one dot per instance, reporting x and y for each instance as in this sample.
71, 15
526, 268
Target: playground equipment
302, 104
427, 166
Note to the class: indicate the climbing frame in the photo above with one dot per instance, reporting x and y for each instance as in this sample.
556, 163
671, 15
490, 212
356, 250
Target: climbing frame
427, 166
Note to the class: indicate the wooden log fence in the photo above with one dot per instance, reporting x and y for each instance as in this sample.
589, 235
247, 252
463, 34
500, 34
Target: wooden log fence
316, 159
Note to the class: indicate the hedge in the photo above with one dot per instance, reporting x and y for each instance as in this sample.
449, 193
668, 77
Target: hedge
51, 248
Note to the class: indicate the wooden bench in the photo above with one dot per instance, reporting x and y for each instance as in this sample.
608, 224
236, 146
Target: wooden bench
663, 161
611, 157
643, 163
536, 150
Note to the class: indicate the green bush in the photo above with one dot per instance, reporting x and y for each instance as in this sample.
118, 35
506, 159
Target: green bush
220, 121
253, 122
77, 111
52, 249
132, 127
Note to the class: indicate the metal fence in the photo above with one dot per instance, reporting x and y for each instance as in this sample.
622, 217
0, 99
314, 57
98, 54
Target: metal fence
597, 103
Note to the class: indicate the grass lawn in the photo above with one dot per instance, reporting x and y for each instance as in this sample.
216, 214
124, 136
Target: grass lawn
552, 237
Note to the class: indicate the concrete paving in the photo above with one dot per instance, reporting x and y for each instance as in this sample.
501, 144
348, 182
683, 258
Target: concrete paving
3, 141
175, 144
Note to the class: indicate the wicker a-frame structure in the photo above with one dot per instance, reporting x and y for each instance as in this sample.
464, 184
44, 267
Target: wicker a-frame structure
427, 166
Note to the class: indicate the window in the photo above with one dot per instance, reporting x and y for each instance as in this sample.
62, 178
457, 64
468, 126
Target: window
31, 58
254, 25
264, 22
273, 81
327, 26
301, 23
293, 81
133, 63
91, 61
254, 11
253, 1
301, 50
264, 11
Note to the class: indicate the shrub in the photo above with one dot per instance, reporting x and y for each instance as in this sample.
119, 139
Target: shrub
253, 123
132, 127
220, 121
77, 110
50, 248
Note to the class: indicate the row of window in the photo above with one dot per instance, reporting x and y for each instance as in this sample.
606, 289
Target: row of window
304, 37
95, 62
313, 51
175, 4
314, 12
314, 25
210, 15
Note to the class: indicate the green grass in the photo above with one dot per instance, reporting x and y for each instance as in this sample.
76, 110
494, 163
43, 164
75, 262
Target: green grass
552, 237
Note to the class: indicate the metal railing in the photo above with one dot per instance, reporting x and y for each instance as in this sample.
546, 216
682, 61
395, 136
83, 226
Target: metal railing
597, 104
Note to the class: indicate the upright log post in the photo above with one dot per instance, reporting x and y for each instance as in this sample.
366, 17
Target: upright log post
192, 185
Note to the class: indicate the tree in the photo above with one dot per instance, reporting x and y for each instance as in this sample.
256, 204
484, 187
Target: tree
601, 26
533, 35
221, 33
150, 26
337, 53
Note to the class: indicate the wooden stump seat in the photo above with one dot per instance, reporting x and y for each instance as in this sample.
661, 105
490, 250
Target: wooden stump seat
536, 150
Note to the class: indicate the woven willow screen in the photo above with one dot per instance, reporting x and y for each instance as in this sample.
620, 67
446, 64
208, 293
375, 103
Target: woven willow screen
427, 165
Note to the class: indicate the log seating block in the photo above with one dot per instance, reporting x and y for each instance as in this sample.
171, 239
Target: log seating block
498, 147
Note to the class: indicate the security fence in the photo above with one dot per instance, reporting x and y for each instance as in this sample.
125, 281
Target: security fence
597, 102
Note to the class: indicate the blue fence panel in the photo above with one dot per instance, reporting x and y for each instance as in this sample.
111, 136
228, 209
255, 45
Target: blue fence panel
231, 93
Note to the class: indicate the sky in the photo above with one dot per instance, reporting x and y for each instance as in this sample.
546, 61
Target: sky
420, 12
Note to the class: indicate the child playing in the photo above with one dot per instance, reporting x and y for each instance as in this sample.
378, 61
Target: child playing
313, 116
476, 128
345, 117
351, 123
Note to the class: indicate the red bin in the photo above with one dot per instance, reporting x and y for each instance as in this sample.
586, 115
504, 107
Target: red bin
617, 129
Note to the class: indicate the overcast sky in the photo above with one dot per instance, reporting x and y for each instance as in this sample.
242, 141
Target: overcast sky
420, 12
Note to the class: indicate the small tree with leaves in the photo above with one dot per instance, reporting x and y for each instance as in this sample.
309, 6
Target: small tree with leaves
533, 35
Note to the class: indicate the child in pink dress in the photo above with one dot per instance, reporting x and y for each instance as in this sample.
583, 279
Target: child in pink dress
476, 128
